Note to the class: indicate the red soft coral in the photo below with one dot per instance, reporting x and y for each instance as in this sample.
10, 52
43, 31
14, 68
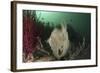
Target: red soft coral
29, 35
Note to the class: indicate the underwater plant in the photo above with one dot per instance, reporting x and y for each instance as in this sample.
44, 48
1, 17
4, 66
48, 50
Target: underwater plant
31, 33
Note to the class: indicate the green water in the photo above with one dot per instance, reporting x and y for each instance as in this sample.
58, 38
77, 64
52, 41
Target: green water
81, 22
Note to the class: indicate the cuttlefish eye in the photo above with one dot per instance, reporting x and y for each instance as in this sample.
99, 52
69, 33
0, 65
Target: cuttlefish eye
59, 52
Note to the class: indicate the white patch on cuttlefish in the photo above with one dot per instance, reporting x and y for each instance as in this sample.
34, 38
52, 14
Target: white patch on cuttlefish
59, 41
